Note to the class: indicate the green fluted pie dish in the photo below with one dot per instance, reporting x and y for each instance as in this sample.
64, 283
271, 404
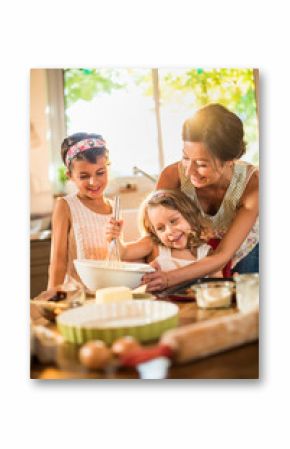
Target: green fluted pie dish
143, 319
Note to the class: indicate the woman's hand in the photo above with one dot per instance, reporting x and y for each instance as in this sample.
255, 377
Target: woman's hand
113, 229
155, 281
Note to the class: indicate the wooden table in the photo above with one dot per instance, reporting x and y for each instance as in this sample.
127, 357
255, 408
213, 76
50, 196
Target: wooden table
238, 363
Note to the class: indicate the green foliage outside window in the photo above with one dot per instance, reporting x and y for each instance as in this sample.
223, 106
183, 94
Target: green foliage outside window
233, 88
85, 84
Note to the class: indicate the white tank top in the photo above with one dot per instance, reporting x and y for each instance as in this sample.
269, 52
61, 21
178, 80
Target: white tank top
221, 221
168, 263
87, 239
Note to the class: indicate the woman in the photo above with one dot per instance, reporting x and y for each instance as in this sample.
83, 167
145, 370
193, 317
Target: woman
225, 190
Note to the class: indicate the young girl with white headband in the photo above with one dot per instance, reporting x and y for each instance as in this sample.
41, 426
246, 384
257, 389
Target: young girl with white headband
79, 219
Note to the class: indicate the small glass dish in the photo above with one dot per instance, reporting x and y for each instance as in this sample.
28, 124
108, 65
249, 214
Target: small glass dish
214, 295
56, 300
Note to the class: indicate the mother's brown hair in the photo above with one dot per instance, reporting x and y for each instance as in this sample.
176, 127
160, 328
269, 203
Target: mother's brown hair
220, 130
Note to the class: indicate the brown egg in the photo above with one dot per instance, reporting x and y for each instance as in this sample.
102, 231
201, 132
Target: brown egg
95, 354
124, 345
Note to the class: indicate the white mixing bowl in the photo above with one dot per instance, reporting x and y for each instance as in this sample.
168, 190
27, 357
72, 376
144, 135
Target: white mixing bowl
100, 273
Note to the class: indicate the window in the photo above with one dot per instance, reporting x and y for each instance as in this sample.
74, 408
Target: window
140, 112
115, 104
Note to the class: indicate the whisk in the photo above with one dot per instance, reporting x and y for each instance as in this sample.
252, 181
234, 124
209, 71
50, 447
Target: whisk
113, 250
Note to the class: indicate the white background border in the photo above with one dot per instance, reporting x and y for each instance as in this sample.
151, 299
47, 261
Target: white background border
134, 414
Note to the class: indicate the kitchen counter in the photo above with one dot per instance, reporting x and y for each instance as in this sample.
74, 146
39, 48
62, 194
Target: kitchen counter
239, 363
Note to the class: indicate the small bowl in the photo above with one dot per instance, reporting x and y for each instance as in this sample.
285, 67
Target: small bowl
101, 273
214, 295
51, 303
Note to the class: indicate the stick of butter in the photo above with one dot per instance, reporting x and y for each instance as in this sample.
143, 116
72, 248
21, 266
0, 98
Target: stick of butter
113, 294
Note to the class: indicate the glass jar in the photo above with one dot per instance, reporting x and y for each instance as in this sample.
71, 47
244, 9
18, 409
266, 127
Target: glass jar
247, 291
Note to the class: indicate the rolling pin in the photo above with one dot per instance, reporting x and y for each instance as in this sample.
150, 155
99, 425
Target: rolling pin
201, 339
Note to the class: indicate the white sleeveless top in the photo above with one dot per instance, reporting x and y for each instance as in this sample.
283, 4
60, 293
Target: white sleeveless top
168, 263
221, 221
87, 239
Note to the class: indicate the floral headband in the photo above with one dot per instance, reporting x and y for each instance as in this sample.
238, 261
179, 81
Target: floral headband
81, 146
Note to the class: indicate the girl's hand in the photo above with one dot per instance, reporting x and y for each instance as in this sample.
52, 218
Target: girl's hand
113, 229
155, 281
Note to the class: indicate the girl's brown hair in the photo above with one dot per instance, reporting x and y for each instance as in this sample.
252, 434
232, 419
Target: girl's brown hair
174, 200
219, 129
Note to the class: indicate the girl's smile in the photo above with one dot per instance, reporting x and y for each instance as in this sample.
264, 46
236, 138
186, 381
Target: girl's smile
93, 190
178, 241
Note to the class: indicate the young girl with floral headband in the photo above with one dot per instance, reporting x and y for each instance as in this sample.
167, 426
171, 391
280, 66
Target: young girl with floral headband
175, 235
79, 220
